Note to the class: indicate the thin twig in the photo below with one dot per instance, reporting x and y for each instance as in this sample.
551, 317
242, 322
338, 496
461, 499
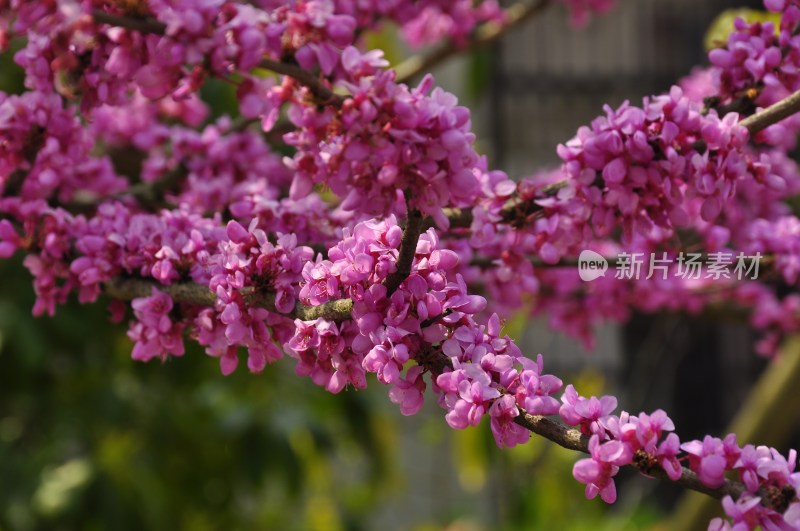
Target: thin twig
408, 248
515, 209
191, 293
772, 114
142, 25
324, 95
573, 439
483, 36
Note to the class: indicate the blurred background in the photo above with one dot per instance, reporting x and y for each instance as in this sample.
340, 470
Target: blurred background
90, 439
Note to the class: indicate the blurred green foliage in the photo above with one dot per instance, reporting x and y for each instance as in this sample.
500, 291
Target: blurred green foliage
717, 33
89, 438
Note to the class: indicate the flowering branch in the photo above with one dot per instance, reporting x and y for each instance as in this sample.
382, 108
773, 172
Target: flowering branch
765, 415
191, 293
483, 36
573, 439
434, 360
515, 209
385, 294
408, 248
518, 210
142, 25
772, 114
324, 95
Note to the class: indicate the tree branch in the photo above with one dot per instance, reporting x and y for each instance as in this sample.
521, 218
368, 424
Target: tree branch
483, 36
434, 359
127, 289
573, 439
515, 209
323, 94
142, 25
191, 293
408, 248
772, 114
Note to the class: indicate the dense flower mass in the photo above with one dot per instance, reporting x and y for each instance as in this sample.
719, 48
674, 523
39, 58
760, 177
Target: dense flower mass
359, 244
388, 139
644, 163
758, 67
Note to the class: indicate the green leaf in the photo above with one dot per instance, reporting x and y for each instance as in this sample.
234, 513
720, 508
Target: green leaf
722, 26
385, 38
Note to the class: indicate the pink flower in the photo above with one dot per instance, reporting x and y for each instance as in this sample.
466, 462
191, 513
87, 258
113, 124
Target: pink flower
468, 394
711, 457
586, 412
155, 334
408, 391
598, 470
506, 432
9, 239
667, 455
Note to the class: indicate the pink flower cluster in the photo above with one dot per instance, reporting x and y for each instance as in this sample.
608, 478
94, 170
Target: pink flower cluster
48, 144
616, 441
644, 163
765, 473
387, 328
734, 199
775, 315
780, 238
155, 334
247, 259
184, 43
429, 319
759, 66
168, 248
421, 22
166, 62
486, 366
429, 22
388, 138
177, 246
